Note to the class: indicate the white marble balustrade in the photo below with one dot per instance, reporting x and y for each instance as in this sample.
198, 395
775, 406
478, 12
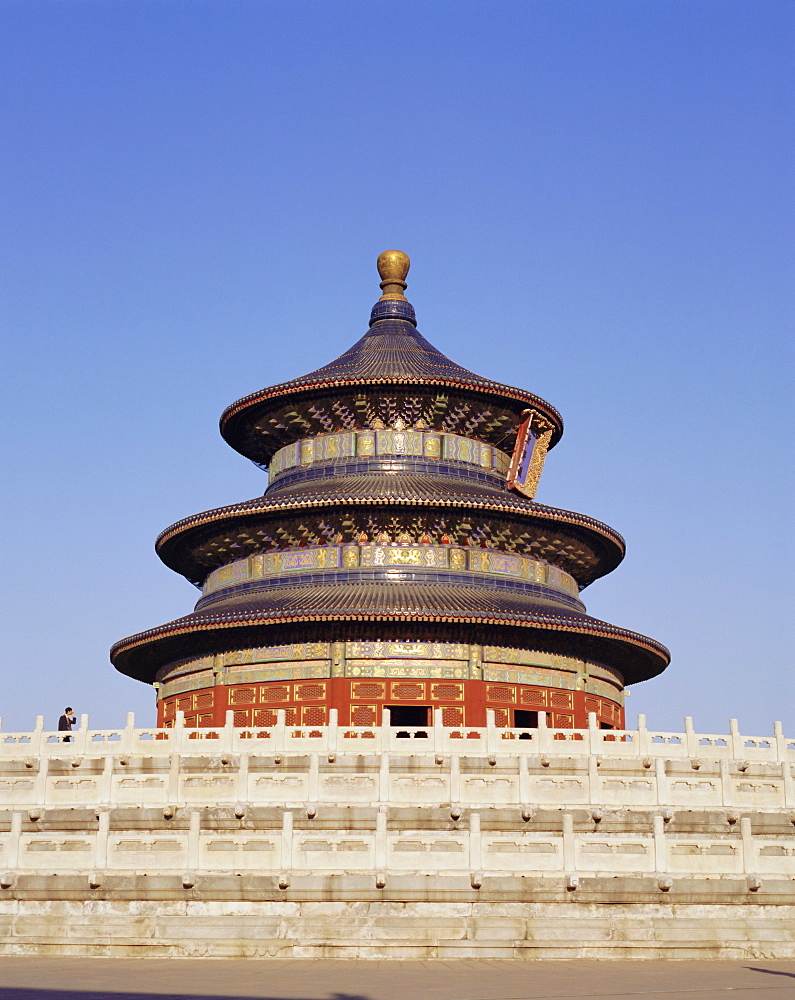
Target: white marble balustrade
431, 740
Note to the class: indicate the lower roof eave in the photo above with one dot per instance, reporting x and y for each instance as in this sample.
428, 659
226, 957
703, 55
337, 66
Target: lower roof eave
636, 657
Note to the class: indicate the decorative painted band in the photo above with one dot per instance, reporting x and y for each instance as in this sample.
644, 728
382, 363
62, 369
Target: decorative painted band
382, 552
550, 518
235, 415
391, 442
345, 675
411, 701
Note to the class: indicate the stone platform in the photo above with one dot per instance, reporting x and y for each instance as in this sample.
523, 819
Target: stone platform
406, 844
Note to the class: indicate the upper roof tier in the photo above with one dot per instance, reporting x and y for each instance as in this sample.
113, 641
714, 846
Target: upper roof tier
392, 355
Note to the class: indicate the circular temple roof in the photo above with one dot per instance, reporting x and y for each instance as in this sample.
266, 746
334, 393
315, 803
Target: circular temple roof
393, 353
336, 609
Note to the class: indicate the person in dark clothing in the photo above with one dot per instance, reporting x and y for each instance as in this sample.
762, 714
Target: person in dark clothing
66, 722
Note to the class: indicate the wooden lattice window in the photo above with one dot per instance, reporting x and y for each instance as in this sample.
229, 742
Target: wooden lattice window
408, 692
500, 694
313, 715
263, 717
242, 696
447, 692
275, 693
367, 690
453, 717
363, 715
310, 692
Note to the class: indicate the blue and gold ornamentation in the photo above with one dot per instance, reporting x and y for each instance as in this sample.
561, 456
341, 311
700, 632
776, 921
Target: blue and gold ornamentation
391, 659
389, 442
372, 554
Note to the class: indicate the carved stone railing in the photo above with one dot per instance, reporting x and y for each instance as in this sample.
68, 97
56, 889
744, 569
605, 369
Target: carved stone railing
429, 740
435, 801
388, 846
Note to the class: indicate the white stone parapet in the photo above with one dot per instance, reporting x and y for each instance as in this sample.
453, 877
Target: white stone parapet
386, 801
426, 740
397, 843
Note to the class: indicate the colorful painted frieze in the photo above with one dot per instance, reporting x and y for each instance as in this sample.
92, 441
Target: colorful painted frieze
389, 441
401, 553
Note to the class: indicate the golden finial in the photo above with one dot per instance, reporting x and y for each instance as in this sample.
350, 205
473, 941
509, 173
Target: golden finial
393, 266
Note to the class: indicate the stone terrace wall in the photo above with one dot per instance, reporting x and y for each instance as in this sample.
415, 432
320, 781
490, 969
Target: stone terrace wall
397, 843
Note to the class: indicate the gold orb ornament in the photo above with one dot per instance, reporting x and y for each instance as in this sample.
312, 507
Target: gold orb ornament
393, 266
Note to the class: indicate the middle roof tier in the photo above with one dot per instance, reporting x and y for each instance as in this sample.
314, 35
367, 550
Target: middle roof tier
441, 509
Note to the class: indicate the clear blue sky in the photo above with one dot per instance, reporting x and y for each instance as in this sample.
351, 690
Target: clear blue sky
597, 199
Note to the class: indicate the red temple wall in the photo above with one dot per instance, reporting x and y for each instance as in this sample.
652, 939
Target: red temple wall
360, 702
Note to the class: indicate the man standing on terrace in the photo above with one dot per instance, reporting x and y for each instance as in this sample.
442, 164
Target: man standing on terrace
65, 723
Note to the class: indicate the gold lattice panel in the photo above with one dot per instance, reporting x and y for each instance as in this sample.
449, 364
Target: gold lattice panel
500, 693
368, 690
447, 692
364, 715
408, 691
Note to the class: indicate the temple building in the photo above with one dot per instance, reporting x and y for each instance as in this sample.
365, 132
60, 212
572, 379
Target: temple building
389, 729
397, 560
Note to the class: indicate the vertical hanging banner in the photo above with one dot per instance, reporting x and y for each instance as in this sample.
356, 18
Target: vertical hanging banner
532, 441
